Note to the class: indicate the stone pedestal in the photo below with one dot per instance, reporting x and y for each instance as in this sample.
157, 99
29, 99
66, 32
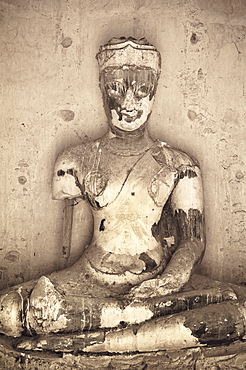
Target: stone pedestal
206, 358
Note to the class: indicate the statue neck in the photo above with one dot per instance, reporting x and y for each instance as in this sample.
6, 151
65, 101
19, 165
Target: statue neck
128, 142
128, 135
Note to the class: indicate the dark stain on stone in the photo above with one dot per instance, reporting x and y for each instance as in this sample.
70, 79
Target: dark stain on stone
60, 173
168, 227
155, 231
122, 325
94, 203
66, 42
66, 114
150, 264
187, 173
200, 73
22, 180
216, 324
102, 227
70, 171
12, 256
135, 330
194, 38
191, 115
190, 301
189, 226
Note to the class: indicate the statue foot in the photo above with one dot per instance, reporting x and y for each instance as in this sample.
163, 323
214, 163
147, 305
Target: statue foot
46, 308
11, 314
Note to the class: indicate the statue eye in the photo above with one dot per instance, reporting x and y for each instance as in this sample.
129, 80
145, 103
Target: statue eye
143, 89
115, 89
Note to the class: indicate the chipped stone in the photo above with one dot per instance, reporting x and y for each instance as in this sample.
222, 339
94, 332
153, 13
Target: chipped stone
239, 175
22, 180
11, 314
192, 115
46, 308
66, 114
12, 256
66, 42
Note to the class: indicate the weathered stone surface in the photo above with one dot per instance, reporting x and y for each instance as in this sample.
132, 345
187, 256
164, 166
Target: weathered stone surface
11, 313
195, 76
217, 129
127, 178
206, 358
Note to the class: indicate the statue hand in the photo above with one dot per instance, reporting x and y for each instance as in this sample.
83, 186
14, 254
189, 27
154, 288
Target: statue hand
153, 288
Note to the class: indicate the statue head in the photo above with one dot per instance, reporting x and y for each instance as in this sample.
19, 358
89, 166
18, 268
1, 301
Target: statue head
129, 72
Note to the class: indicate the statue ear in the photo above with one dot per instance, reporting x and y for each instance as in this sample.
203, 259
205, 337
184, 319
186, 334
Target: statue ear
102, 85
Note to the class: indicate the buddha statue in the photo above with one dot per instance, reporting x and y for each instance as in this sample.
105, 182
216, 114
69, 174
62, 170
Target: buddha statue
146, 199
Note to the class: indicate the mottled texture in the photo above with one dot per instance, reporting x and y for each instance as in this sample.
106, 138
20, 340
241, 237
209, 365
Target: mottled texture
200, 108
210, 358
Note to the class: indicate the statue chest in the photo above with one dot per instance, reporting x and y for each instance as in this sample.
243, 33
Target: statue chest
137, 178
126, 205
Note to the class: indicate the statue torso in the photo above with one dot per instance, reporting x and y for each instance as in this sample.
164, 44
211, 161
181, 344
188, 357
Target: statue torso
127, 189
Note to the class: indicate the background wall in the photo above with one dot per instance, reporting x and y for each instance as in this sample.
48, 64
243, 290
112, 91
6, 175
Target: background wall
50, 99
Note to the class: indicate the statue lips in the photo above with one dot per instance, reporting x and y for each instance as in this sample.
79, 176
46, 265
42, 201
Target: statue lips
131, 116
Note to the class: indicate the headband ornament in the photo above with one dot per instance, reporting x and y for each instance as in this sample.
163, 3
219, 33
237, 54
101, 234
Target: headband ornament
130, 52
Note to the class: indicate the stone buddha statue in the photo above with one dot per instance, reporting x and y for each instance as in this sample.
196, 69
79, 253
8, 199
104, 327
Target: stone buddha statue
127, 178
146, 200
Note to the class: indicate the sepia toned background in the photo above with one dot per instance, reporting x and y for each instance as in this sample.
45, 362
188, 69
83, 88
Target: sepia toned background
50, 99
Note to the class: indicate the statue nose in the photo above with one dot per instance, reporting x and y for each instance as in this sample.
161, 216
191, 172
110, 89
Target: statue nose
129, 103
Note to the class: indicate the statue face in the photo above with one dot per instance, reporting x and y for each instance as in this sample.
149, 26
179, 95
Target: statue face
128, 96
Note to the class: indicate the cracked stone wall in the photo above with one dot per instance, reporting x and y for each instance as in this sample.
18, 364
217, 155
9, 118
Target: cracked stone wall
50, 99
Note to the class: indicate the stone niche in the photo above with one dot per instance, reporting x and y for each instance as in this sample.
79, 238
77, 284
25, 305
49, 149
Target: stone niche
48, 49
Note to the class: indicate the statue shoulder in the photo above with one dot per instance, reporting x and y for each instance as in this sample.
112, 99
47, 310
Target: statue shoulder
76, 156
70, 168
69, 156
174, 158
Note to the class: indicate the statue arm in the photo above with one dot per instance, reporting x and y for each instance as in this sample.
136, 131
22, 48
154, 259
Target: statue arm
68, 186
187, 210
66, 181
